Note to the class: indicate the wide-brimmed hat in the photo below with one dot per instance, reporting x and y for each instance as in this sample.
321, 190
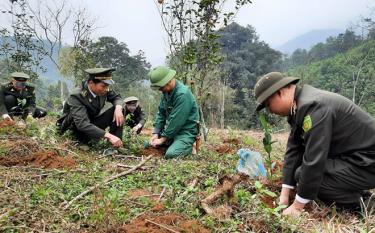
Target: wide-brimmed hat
270, 83
102, 74
20, 76
160, 76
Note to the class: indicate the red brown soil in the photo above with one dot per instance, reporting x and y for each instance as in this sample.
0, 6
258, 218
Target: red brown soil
233, 141
157, 152
172, 221
224, 149
44, 159
135, 193
5, 123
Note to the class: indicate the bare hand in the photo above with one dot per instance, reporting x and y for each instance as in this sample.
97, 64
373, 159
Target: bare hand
7, 117
118, 116
115, 141
158, 142
295, 209
284, 196
136, 128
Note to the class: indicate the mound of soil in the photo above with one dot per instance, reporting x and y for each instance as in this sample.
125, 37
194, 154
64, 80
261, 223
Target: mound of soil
157, 152
44, 159
161, 223
224, 149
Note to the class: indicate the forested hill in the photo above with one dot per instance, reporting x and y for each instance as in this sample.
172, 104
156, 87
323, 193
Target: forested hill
350, 73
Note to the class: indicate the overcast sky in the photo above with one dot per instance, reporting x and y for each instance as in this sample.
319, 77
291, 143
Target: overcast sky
138, 24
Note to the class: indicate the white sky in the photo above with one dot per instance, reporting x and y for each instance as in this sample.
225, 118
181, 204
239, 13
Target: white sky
138, 24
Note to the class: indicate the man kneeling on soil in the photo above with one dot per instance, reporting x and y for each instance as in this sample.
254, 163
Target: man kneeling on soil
331, 147
84, 111
17, 98
176, 123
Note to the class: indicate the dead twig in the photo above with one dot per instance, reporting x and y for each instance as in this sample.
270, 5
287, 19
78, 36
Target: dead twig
162, 193
107, 181
226, 188
162, 226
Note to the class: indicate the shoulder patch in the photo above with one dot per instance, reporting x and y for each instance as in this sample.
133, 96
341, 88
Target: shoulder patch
307, 123
84, 93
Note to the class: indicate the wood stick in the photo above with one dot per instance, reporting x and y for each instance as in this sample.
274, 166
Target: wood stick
162, 226
106, 181
161, 194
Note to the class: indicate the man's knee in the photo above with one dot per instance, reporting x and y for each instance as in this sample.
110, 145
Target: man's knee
10, 102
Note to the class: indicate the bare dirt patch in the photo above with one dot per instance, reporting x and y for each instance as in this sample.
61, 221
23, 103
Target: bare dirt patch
156, 152
167, 223
42, 158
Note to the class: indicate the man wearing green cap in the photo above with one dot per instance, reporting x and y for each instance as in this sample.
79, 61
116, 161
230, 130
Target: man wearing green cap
176, 123
84, 111
17, 98
331, 147
134, 116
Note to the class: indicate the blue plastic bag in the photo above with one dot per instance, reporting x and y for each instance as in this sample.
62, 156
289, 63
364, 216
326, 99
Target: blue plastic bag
250, 163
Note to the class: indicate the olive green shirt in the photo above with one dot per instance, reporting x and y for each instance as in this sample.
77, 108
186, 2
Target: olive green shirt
325, 126
178, 113
27, 94
82, 107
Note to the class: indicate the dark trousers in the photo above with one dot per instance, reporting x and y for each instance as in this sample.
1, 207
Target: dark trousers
102, 121
15, 109
345, 183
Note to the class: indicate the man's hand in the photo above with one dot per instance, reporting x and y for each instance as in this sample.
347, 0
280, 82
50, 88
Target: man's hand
118, 116
153, 138
158, 141
284, 196
115, 141
7, 117
136, 128
295, 209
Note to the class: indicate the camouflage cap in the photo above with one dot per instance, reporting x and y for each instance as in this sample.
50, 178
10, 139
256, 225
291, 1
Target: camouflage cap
130, 99
20, 76
270, 83
102, 74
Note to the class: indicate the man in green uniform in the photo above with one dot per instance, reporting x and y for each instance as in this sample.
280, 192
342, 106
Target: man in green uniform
84, 111
331, 147
176, 123
17, 98
134, 116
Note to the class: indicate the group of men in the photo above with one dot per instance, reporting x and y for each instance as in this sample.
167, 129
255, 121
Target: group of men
330, 151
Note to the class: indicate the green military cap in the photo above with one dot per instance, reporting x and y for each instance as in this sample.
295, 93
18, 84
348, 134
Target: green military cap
102, 74
160, 76
270, 83
131, 99
20, 76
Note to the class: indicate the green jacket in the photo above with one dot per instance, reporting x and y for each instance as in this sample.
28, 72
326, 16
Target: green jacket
178, 113
82, 107
325, 126
27, 94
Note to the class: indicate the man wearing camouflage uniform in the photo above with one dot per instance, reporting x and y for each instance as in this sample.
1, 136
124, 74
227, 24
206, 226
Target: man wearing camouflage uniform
84, 111
176, 123
17, 98
331, 147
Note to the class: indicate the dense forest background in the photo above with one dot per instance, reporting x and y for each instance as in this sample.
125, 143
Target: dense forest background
220, 65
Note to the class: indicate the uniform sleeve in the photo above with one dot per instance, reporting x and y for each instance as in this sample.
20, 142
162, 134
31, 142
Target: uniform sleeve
292, 159
82, 122
3, 109
114, 98
30, 101
141, 117
160, 118
180, 113
317, 145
